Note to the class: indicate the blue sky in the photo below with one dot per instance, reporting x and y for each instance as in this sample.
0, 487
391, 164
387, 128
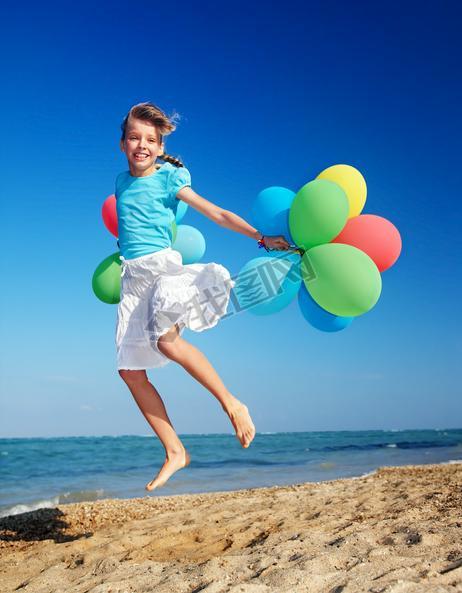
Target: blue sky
268, 96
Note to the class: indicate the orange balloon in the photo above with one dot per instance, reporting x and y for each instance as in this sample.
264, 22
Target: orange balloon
374, 235
109, 213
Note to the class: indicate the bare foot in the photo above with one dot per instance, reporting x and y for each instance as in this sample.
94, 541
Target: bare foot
173, 463
242, 422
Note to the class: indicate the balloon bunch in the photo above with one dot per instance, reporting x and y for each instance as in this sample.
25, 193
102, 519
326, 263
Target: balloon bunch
186, 239
335, 270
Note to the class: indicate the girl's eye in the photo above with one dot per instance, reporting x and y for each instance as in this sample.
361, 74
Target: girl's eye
134, 138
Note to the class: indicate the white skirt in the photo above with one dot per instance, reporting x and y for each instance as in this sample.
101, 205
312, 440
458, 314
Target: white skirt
156, 292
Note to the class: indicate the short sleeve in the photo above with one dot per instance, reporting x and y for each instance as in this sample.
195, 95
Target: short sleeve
180, 177
117, 184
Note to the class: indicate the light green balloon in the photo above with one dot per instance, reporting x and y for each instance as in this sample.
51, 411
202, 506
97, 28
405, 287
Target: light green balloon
174, 231
318, 213
106, 279
342, 279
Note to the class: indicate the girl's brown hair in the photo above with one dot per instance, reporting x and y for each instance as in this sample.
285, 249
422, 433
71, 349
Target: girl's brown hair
164, 124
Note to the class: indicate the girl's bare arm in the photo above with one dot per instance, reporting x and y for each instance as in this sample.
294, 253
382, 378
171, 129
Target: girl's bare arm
228, 219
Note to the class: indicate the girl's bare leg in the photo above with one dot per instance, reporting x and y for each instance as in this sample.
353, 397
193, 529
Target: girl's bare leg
193, 360
151, 405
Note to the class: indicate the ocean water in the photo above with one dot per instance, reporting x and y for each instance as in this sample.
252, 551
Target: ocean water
44, 472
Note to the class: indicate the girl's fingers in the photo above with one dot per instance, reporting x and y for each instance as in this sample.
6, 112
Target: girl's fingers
280, 242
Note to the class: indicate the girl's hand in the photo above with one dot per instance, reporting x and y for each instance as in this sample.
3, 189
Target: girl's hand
276, 242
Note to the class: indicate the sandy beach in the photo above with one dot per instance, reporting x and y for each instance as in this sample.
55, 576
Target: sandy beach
395, 531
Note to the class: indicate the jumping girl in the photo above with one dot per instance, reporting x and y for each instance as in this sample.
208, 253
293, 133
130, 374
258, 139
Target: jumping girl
159, 295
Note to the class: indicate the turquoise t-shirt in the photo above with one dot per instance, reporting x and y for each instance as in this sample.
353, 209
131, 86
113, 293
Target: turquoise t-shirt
146, 208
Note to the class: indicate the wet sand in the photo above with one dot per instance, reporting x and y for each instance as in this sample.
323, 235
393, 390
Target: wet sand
396, 531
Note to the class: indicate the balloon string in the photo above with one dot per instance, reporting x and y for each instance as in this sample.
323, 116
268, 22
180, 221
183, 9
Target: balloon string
299, 250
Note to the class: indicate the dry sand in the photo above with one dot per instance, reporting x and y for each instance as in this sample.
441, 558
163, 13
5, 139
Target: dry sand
398, 530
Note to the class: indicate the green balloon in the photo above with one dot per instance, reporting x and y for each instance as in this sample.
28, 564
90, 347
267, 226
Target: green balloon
174, 231
318, 213
342, 279
106, 279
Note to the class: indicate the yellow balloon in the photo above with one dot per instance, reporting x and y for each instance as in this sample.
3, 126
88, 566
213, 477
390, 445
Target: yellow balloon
352, 183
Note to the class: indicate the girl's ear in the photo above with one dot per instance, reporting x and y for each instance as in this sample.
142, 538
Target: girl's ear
122, 146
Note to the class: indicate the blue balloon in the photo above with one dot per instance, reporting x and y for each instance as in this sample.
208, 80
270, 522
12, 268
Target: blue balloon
270, 211
180, 211
266, 285
319, 317
190, 243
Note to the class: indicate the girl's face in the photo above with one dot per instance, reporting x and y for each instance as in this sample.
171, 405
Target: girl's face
141, 146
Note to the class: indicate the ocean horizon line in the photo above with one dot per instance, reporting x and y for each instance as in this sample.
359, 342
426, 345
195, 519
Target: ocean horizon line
230, 433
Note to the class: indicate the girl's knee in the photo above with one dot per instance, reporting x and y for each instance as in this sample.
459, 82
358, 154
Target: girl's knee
168, 343
168, 347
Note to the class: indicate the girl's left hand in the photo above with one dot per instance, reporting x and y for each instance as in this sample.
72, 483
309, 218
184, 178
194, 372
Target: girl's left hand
278, 242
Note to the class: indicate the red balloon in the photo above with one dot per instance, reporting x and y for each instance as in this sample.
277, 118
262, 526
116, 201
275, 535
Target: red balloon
110, 215
374, 235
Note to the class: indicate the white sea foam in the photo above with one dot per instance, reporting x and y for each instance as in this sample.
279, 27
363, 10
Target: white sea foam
64, 498
24, 508
367, 474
